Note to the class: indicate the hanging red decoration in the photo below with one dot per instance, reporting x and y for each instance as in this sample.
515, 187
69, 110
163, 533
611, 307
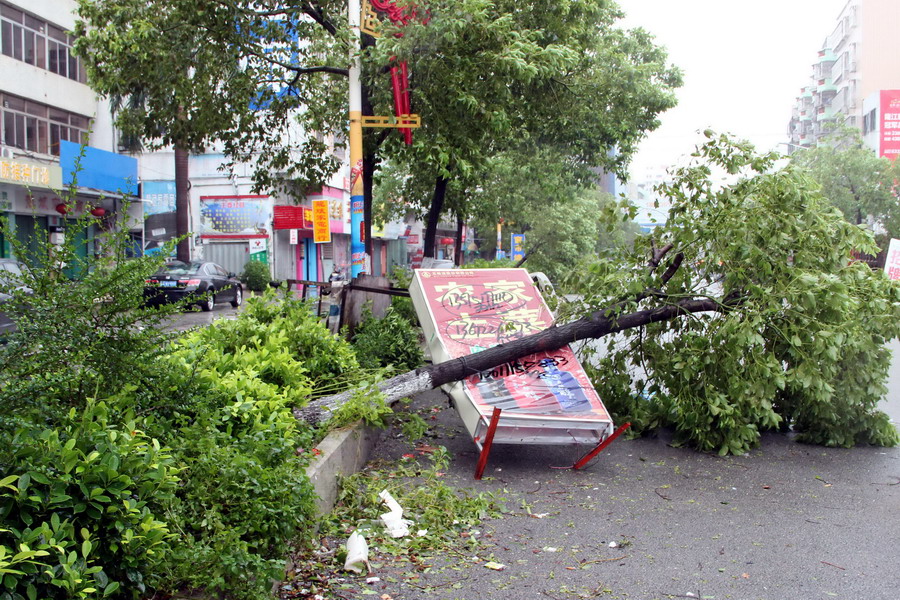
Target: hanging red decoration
447, 241
98, 211
62, 208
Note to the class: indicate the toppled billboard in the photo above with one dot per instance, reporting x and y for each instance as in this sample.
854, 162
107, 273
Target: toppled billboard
545, 398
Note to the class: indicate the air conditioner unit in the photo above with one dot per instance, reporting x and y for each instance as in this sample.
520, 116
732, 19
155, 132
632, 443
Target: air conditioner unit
6, 152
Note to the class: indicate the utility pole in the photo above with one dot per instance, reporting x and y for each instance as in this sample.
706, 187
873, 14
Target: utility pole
359, 260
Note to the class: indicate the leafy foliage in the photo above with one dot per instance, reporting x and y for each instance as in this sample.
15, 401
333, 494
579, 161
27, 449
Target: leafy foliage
256, 276
797, 317
76, 336
390, 341
854, 180
509, 87
85, 501
428, 501
247, 75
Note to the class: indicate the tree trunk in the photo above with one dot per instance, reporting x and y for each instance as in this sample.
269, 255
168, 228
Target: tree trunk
182, 203
434, 215
460, 226
595, 325
370, 162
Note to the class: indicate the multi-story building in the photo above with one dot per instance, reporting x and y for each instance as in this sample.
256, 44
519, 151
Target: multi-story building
49, 120
860, 57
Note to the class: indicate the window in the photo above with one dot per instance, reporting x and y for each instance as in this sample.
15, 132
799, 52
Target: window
37, 43
39, 128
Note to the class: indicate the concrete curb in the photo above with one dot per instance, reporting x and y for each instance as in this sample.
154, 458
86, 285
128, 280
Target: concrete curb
343, 452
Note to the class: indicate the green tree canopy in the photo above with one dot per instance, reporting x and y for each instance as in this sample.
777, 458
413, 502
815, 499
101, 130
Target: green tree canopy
260, 78
557, 80
854, 179
800, 339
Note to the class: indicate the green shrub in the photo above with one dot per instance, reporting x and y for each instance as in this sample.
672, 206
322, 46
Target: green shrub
401, 278
87, 497
256, 276
245, 498
77, 336
391, 341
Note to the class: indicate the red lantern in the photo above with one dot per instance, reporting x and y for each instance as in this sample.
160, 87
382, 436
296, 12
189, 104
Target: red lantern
447, 241
62, 209
98, 211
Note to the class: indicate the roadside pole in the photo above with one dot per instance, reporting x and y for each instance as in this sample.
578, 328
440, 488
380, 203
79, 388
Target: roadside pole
359, 260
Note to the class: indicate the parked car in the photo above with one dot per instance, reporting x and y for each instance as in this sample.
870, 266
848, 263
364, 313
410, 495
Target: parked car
200, 283
12, 275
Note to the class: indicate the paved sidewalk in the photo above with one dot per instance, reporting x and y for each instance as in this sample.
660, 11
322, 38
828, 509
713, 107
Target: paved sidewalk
647, 521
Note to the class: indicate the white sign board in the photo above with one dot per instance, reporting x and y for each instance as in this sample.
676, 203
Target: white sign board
257, 245
892, 260
294, 237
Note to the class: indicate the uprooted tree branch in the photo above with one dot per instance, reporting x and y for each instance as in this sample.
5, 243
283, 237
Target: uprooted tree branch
596, 325
745, 313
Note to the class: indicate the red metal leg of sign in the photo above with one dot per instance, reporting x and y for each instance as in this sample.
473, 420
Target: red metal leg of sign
398, 93
488, 440
590, 455
404, 95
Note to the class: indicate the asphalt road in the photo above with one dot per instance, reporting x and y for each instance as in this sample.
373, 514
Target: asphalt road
786, 522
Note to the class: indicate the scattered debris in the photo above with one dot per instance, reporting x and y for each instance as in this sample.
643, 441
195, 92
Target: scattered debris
495, 566
393, 521
357, 553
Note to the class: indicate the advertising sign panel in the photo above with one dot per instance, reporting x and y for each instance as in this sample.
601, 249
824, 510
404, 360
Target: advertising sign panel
321, 222
889, 127
517, 244
235, 215
892, 261
546, 398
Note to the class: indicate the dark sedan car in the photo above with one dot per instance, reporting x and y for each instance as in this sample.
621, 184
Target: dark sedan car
200, 283
11, 281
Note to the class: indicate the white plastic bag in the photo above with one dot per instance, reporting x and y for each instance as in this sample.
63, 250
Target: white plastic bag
393, 521
357, 553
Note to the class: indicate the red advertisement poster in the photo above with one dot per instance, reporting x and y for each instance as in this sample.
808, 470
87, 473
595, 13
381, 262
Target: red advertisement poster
889, 126
472, 310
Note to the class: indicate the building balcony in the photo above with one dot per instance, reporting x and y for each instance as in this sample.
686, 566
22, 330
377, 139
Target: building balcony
826, 113
826, 85
826, 55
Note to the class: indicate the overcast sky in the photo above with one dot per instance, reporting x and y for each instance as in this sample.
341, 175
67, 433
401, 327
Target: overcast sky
744, 63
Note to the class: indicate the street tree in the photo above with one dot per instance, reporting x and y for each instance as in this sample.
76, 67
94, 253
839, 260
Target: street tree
491, 78
257, 80
744, 313
855, 180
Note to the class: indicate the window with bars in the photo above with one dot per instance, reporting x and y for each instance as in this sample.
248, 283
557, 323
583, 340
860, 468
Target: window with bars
39, 128
38, 43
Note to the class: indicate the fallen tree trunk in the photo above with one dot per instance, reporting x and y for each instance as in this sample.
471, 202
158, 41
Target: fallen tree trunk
593, 326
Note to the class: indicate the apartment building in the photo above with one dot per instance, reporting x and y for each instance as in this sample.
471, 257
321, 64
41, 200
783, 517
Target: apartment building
857, 60
49, 120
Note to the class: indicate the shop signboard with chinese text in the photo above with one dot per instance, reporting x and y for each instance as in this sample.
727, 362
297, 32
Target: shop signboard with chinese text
546, 398
30, 173
236, 216
517, 246
321, 222
889, 143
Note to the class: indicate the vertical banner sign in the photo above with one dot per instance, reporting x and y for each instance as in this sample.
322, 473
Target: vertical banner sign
321, 222
517, 245
294, 236
889, 142
892, 260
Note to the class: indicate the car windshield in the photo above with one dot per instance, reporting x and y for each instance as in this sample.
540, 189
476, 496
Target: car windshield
180, 268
